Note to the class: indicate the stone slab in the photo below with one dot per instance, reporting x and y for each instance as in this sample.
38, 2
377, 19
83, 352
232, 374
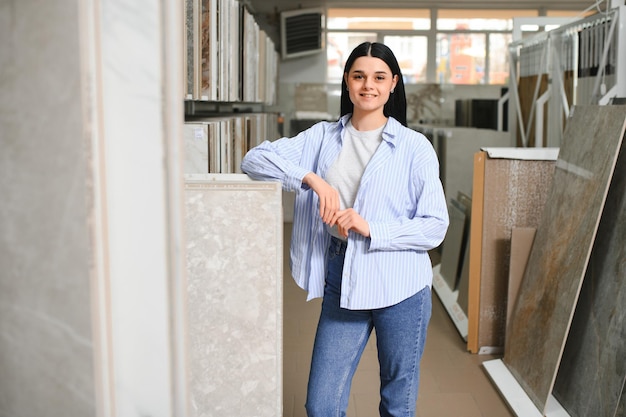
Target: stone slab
234, 251
547, 297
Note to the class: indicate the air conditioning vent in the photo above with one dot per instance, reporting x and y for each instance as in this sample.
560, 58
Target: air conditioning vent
301, 32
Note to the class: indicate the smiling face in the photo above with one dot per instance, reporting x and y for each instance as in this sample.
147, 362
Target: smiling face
369, 83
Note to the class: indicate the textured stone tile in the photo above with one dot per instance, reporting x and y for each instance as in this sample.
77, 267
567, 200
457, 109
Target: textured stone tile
234, 266
593, 368
556, 267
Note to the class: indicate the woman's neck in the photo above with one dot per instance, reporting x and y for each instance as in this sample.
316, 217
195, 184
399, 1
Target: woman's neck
369, 121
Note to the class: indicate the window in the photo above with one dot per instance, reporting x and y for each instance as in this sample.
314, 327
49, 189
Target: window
468, 46
338, 47
378, 19
411, 53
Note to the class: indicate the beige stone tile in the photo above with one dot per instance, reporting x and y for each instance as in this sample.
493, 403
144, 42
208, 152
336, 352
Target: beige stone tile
428, 383
448, 405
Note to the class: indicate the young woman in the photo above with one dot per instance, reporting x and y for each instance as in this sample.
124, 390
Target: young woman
369, 205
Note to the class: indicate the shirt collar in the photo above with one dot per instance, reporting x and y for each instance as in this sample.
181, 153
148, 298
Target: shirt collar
390, 132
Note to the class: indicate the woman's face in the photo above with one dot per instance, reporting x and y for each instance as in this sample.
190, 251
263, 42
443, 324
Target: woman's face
369, 83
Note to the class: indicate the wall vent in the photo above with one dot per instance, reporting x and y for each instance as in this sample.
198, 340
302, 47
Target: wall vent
301, 32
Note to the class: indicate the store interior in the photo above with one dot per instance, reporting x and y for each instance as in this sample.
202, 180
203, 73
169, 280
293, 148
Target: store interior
142, 273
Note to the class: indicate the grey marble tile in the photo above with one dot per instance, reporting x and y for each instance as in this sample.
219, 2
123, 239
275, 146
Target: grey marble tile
558, 259
593, 368
196, 142
234, 267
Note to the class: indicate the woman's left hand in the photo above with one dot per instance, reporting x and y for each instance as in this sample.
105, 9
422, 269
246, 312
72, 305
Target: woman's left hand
349, 219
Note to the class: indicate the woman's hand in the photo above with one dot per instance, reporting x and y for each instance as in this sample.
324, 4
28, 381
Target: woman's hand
328, 196
349, 219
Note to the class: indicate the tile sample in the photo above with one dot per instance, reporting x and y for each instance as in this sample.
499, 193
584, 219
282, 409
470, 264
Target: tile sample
592, 372
521, 243
514, 194
234, 272
556, 267
463, 286
196, 145
452, 245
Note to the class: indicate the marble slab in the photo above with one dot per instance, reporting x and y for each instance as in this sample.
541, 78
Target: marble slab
208, 59
592, 372
196, 145
558, 259
190, 62
234, 250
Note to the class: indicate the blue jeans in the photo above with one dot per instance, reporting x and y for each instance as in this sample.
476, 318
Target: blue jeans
342, 336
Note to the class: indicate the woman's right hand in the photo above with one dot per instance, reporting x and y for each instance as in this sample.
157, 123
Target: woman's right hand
328, 196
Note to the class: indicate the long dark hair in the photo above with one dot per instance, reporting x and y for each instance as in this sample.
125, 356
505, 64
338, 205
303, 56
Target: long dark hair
396, 105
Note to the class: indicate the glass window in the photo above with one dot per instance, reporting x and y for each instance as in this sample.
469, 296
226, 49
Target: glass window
378, 19
412, 55
338, 47
461, 58
482, 20
499, 58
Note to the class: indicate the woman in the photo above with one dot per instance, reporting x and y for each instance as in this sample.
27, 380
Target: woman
369, 205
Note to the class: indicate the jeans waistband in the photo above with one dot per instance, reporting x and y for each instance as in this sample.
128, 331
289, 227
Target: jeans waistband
338, 246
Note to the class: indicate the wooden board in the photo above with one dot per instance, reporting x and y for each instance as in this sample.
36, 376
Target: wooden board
549, 291
475, 255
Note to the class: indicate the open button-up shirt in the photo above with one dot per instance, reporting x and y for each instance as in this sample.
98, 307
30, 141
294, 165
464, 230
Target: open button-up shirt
400, 195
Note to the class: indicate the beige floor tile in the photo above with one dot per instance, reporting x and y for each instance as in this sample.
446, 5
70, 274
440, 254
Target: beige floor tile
449, 405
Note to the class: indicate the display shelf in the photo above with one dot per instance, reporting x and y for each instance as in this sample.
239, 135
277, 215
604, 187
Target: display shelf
516, 398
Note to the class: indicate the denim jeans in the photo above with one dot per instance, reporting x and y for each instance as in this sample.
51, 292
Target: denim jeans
342, 336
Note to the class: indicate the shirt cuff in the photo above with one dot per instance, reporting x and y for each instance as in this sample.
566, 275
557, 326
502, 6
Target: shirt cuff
379, 236
293, 180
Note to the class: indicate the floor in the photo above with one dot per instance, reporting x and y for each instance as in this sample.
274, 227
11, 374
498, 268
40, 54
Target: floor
453, 383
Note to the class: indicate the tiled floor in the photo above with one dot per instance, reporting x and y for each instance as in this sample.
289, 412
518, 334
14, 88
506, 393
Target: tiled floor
453, 383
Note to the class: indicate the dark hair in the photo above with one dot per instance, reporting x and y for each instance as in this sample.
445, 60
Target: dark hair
396, 105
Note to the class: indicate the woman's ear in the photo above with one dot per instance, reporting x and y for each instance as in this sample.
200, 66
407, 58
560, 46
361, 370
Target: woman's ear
394, 82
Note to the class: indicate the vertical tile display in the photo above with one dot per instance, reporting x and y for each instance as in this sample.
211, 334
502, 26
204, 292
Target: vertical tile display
547, 297
593, 367
514, 192
218, 144
228, 57
234, 264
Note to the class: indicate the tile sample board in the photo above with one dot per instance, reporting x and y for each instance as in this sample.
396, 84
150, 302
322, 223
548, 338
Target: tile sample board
512, 193
547, 296
592, 373
521, 243
234, 246
451, 255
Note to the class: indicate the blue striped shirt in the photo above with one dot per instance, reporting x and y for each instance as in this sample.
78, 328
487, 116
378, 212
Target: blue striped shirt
400, 196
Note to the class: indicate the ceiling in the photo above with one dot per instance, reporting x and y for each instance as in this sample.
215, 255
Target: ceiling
274, 6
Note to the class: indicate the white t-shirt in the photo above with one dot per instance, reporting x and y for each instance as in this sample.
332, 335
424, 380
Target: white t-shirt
346, 172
